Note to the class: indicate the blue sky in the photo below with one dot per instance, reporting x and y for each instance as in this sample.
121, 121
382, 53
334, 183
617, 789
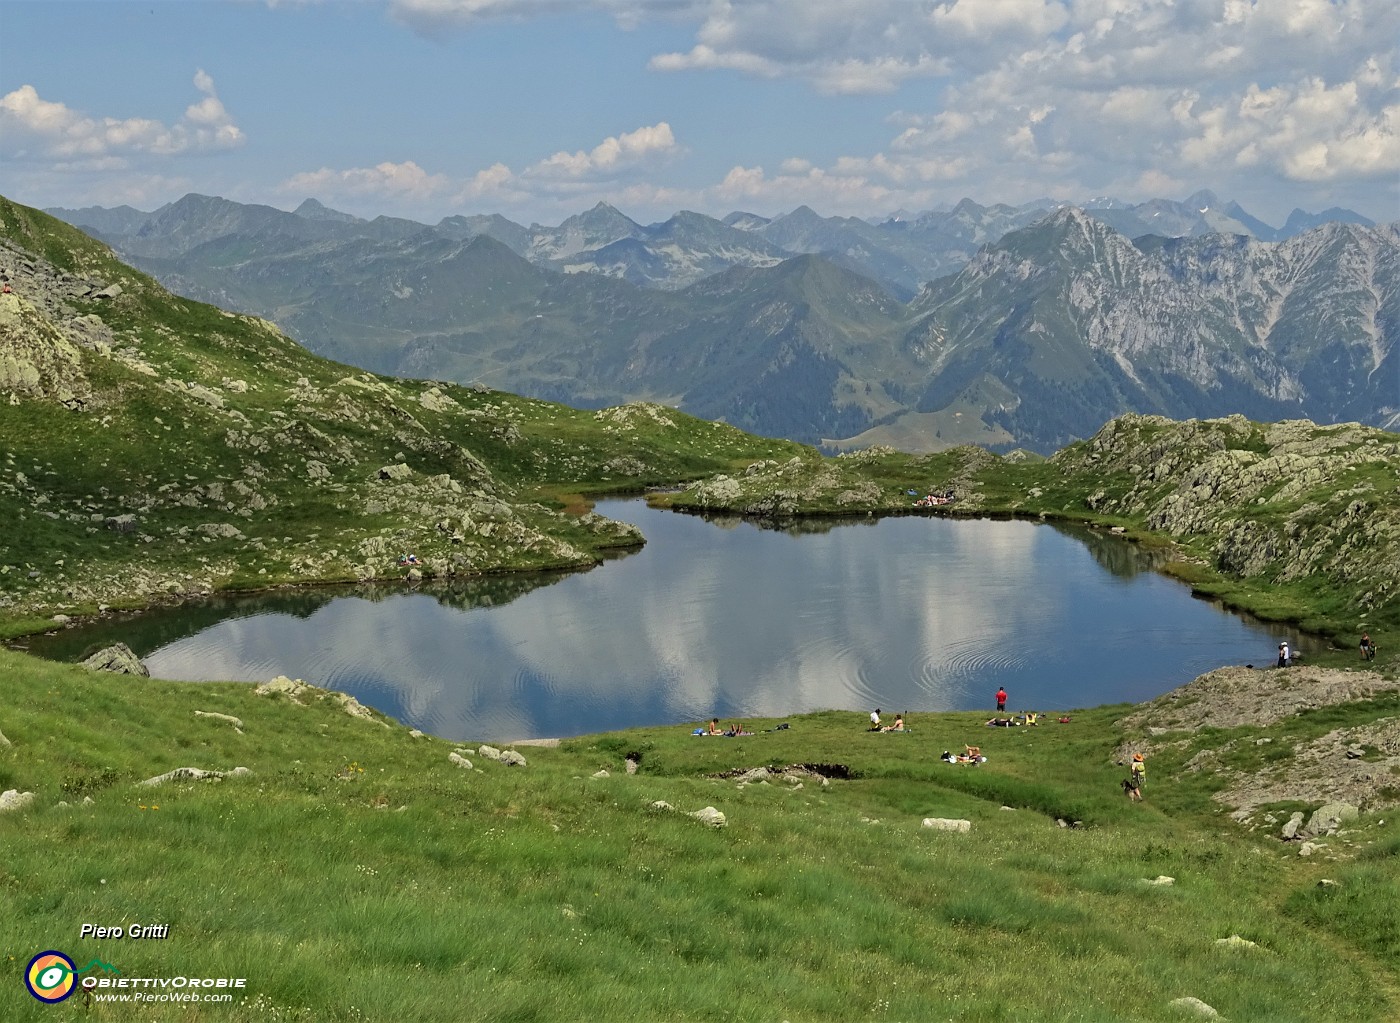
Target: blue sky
537, 109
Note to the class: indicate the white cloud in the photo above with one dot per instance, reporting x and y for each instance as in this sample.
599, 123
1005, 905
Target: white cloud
1001, 99
35, 129
404, 180
433, 16
610, 156
982, 18
559, 179
1039, 96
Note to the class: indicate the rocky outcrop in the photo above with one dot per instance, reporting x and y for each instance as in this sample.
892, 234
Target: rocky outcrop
1282, 501
1324, 772
118, 658
1328, 818
195, 774
1230, 697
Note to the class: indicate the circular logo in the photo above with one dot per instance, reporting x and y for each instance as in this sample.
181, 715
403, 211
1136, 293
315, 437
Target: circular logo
50, 977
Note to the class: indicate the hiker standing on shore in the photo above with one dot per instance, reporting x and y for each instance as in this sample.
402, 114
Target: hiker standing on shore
1001, 698
1368, 648
1283, 656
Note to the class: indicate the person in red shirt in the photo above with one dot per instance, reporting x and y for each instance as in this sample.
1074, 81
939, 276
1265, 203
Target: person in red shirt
1001, 698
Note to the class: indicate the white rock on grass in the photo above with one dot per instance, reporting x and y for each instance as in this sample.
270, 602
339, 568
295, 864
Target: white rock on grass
283, 686
512, 759
1235, 941
1161, 880
13, 799
1195, 1007
489, 752
355, 708
460, 761
601, 774
194, 774
236, 722
4, 741
661, 806
947, 824
709, 815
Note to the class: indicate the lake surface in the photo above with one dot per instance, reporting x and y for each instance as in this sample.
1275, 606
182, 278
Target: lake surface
724, 618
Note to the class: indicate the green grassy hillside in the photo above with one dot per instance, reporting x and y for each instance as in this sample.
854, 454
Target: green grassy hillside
154, 447
358, 873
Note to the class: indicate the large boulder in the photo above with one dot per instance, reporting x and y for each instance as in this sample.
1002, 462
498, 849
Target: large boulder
1330, 816
709, 815
118, 658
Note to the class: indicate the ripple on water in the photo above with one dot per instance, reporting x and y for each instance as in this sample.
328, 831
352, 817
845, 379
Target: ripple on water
845, 671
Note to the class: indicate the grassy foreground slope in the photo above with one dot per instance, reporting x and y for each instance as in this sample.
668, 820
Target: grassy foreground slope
359, 873
152, 447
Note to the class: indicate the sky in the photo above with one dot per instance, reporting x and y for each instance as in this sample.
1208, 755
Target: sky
538, 109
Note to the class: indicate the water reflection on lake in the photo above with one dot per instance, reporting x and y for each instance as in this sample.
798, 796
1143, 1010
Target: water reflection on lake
724, 618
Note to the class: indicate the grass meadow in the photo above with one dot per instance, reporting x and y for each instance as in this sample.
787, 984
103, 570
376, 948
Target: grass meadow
357, 874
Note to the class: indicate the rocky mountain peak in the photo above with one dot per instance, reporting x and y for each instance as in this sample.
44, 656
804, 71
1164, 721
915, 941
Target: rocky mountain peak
312, 209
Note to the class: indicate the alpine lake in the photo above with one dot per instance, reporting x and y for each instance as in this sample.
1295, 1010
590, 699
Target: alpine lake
719, 617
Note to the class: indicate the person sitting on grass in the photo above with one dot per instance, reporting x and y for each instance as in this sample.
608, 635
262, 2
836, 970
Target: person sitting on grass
898, 725
714, 728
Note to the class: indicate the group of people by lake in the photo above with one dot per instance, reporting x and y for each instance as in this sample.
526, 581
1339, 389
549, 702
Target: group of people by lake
736, 729
932, 500
875, 725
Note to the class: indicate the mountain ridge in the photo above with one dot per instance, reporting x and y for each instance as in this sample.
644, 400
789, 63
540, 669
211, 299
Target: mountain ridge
1043, 333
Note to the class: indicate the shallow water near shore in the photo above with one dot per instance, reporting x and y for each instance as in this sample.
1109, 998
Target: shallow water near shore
724, 618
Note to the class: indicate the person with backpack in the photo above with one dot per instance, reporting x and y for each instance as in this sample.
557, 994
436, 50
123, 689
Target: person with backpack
1138, 773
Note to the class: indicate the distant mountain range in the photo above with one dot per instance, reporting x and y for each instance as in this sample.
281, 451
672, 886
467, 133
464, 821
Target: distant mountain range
1007, 326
